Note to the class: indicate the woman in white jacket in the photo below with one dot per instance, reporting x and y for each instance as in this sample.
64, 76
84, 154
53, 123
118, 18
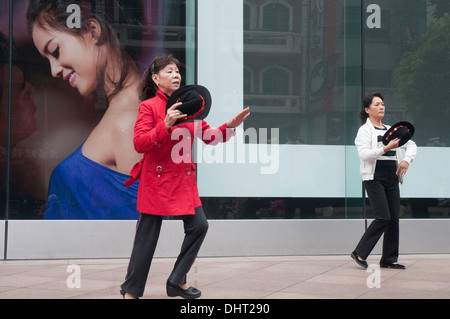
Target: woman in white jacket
382, 167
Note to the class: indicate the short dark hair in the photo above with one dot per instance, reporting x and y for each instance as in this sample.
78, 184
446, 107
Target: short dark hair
366, 101
53, 14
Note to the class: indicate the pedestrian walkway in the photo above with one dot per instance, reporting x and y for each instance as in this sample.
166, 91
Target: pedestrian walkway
285, 277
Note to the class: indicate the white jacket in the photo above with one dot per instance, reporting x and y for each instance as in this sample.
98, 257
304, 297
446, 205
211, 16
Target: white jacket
366, 142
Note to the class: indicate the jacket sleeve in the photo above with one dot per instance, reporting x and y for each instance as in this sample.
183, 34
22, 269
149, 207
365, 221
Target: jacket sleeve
363, 142
217, 135
410, 151
149, 130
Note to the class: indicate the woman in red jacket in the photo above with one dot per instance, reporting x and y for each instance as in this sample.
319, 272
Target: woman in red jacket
167, 185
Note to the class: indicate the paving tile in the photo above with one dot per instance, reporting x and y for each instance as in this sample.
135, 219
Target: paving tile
419, 285
23, 281
38, 293
318, 289
267, 277
396, 293
210, 292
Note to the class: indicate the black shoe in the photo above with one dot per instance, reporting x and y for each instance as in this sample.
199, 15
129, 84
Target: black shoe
362, 263
392, 265
174, 290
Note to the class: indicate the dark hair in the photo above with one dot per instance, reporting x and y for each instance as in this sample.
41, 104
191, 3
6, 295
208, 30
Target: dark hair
366, 102
54, 14
4, 56
148, 88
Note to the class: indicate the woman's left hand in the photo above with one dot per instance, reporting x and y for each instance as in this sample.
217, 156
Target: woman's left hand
239, 118
402, 168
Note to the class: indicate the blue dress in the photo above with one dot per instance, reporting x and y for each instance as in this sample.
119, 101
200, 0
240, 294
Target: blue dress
83, 189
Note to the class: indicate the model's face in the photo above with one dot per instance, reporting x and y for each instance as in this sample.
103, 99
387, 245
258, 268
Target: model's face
168, 79
73, 59
376, 109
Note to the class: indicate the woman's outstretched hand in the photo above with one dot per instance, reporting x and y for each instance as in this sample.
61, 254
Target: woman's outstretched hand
239, 118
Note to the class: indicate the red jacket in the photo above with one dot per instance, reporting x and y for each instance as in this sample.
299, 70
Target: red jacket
167, 176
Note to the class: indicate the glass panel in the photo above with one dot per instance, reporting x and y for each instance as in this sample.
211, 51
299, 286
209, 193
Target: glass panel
407, 47
294, 56
351, 79
4, 80
303, 76
62, 168
296, 75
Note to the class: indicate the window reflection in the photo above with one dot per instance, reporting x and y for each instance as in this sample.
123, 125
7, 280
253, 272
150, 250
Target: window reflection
302, 75
291, 49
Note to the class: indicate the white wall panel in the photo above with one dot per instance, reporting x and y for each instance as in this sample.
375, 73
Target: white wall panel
114, 239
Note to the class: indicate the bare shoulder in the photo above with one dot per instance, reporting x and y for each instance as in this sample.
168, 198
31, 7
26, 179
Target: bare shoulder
122, 114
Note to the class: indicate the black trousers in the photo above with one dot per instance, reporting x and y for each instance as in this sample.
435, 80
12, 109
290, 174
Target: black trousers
147, 234
384, 195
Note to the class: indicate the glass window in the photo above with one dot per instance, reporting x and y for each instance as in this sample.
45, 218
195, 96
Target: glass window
306, 66
295, 75
407, 58
301, 66
4, 106
276, 17
276, 81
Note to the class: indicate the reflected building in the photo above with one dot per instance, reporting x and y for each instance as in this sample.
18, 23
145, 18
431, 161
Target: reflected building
291, 50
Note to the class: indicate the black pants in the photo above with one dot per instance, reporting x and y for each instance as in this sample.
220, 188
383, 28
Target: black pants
384, 195
147, 234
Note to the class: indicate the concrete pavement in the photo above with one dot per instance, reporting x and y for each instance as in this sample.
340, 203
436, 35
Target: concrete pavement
275, 277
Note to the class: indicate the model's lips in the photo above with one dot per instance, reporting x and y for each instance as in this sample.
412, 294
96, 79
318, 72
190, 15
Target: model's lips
70, 78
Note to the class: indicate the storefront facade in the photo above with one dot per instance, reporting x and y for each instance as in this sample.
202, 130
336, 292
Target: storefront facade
288, 183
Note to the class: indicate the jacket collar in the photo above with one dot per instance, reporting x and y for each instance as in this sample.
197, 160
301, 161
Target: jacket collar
162, 95
369, 123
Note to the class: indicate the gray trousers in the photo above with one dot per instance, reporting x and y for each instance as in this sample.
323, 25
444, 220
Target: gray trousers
147, 234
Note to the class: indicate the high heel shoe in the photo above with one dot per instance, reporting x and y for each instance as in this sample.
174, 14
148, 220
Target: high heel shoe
174, 290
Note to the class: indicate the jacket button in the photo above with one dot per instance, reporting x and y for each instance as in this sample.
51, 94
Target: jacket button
189, 172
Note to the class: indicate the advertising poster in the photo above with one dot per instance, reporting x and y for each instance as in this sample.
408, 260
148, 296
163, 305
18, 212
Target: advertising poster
76, 66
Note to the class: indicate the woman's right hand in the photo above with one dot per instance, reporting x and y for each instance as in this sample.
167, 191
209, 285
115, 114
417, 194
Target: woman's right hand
173, 115
239, 118
391, 145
